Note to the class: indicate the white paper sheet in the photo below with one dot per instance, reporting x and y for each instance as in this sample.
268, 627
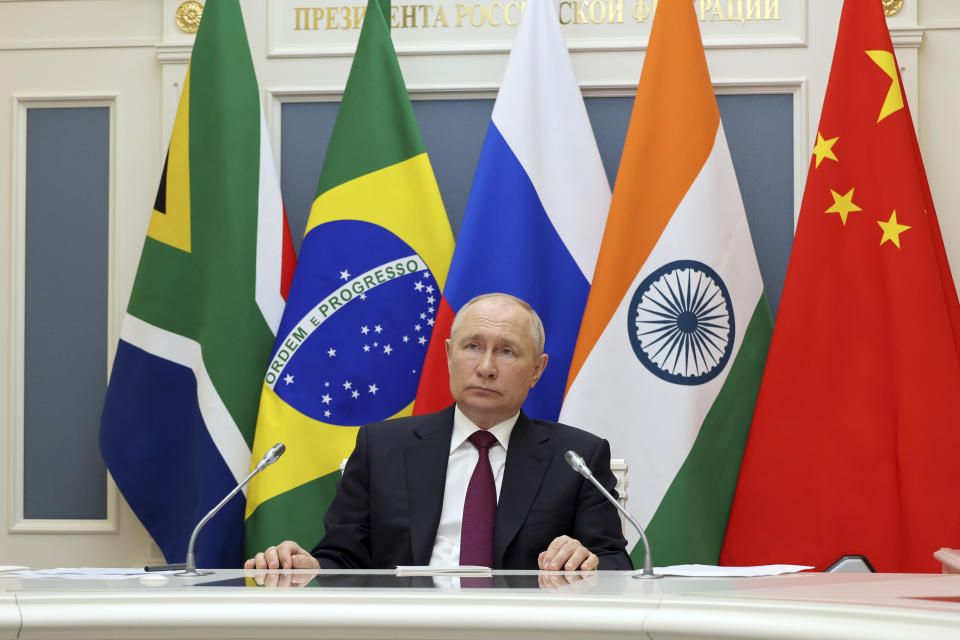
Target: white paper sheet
712, 571
467, 570
84, 573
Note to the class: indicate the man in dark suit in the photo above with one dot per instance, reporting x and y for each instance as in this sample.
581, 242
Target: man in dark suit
402, 497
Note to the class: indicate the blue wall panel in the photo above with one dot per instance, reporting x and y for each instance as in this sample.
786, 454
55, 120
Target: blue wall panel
65, 343
759, 132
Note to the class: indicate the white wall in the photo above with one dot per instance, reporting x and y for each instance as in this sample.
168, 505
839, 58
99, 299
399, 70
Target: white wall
72, 53
937, 118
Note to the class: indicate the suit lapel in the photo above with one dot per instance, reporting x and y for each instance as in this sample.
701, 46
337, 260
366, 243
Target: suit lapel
527, 460
426, 470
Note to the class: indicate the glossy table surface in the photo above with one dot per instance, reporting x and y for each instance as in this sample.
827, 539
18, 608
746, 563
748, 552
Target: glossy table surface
379, 604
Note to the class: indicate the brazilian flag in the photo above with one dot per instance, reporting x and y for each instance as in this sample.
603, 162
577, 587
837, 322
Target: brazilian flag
364, 298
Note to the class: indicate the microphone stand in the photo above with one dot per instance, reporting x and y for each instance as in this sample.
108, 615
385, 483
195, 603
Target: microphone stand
190, 566
578, 464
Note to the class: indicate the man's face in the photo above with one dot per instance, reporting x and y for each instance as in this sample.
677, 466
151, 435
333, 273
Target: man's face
492, 361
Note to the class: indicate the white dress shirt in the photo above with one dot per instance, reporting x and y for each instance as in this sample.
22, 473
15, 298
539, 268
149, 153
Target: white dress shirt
460, 466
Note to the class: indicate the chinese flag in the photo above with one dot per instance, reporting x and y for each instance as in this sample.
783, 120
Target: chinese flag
855, 438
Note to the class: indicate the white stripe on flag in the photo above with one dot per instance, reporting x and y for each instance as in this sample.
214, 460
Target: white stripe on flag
543, 119
270, 225
185, 352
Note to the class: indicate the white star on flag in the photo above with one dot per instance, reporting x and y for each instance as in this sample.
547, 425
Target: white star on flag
347, 385
388, 349
418, 285
373, 389
364, 329
326, 398
288, 379
355, 393
331, 352
344, 275
378, 329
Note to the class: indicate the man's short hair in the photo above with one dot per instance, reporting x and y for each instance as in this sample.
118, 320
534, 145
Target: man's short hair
537, 332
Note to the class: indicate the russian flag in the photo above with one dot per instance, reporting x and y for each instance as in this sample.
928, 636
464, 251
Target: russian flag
535, 217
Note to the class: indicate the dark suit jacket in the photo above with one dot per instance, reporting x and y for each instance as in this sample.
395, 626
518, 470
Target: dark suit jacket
387, 508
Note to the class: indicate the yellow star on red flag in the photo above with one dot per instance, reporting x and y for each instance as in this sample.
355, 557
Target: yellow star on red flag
843, 204
892, 229
824, 149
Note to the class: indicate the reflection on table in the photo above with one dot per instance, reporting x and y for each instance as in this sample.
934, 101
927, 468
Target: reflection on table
531, 604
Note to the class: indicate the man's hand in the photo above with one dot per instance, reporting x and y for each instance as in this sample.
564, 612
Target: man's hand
286, 555
283, 580
567, 554
551, 580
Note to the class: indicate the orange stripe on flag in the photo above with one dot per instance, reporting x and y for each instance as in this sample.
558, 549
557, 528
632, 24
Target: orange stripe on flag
673, 125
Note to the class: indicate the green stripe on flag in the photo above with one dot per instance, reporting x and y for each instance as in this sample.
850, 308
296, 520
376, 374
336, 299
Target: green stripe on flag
689, 524
296, 514
375, 126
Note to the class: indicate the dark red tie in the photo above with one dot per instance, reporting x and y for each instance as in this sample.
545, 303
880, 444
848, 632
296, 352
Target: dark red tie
479, 507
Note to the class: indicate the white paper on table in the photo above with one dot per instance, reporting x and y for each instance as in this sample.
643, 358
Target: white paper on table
712, 571
425, 570
85, 573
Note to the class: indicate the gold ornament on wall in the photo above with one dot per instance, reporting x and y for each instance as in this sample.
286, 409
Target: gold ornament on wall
892, 7
188, 16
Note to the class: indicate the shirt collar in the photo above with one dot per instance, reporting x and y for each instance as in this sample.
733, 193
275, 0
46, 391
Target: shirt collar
463, 427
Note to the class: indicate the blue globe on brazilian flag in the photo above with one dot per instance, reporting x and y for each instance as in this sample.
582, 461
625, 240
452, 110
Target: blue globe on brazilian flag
352, 355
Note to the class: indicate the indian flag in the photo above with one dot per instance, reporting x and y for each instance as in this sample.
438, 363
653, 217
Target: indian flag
675, 333
354, 334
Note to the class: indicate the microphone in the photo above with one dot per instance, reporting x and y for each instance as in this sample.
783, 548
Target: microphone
577, 464
190, 566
